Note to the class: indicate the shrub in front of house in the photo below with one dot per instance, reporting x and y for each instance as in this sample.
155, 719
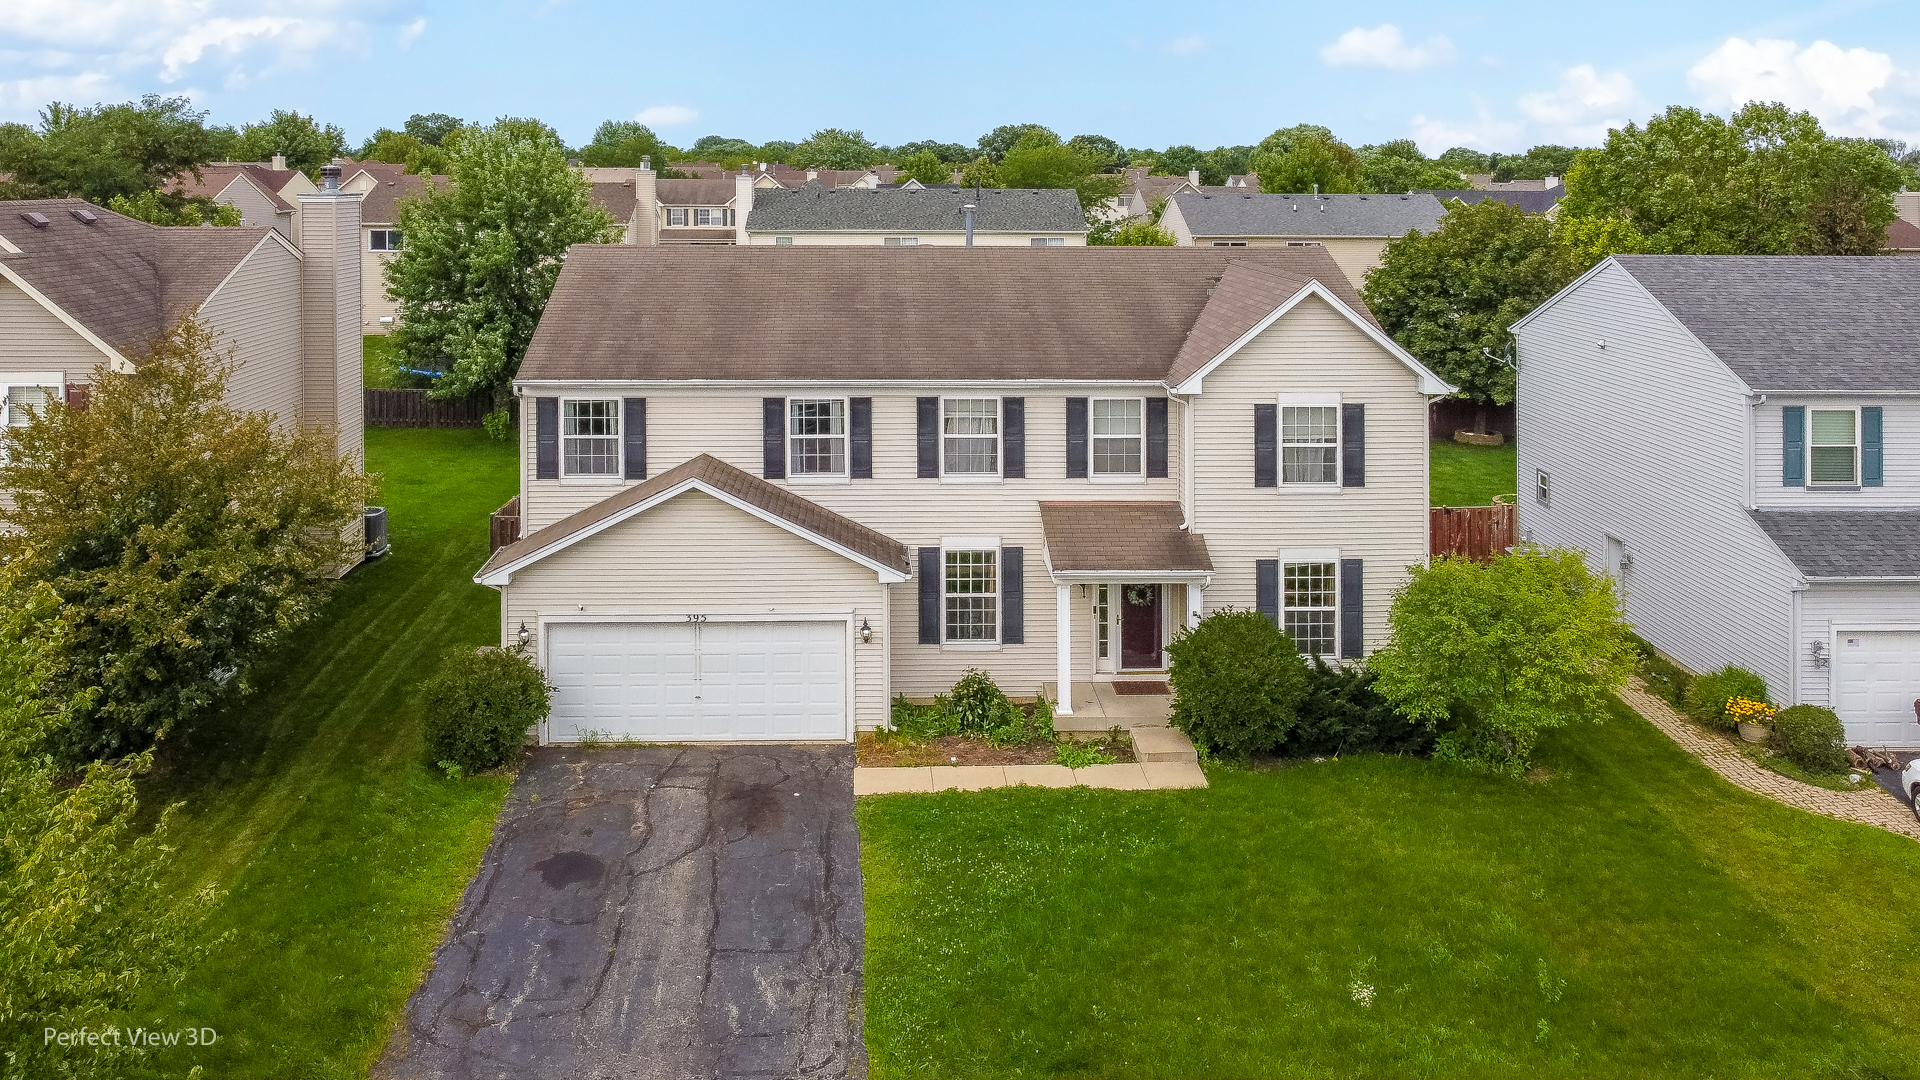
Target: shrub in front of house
1237, 682
1811, 737
480, 704
1707, 695
1665, 679
1342, 713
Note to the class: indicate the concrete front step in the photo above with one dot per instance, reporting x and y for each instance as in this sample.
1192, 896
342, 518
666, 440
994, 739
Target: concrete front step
1159, 743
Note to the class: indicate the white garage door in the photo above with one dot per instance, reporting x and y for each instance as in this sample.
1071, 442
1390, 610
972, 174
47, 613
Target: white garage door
712, 681
1879, 676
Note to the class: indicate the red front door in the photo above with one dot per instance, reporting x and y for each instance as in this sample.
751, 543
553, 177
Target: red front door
1140, 626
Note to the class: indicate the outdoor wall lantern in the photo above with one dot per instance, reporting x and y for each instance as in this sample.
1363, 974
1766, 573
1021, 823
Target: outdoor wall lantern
866, 632
524, 636
1819, 649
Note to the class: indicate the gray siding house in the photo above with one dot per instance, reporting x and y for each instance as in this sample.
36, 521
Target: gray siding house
1737, 441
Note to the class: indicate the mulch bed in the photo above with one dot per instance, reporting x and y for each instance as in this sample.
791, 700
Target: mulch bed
870, 752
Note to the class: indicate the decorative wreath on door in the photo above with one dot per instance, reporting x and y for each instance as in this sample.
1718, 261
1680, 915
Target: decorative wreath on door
1140, 595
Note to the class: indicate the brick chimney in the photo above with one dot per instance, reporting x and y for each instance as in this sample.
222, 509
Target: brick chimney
330, 354
742, 204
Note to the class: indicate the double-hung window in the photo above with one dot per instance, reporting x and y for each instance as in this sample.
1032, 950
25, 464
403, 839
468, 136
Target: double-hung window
817, 433
676, 215
1834, 451
1307, 605
1047, 241
972, 597
711, 218
1309, 444
970, 437
18, 404
1118, 431
900, 241
383, 239
590, 438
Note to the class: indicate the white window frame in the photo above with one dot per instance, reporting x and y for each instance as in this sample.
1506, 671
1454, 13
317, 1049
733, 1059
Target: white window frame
999, 442
726, 217
53, 382
1313, 557
1543, 488
845, 437
899, 241
1308, 401
1047, 241
679, 212
1305, 243
783, 241
1093, 474
1229, 243
1813, 410
619, 444
971, 545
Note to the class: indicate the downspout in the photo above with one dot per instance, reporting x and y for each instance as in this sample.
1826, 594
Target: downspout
1754, 401
1186, 460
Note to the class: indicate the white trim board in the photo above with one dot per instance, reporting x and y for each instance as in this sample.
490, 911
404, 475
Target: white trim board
1429, 382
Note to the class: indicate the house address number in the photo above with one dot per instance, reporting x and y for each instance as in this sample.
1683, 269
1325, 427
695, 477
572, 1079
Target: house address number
696, 618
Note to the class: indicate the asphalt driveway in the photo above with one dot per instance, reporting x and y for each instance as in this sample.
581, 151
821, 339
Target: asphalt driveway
664, 912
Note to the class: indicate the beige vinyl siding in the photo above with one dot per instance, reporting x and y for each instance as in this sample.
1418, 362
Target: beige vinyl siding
1355, 255
256, 312
373, 289
944, 239
697, 555
1312, 350
256, 208
35, 339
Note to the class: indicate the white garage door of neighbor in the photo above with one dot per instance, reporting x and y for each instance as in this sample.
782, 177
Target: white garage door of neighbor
698, 681
1878, 672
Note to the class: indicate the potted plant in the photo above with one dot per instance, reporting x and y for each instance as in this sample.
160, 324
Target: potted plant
1753, 718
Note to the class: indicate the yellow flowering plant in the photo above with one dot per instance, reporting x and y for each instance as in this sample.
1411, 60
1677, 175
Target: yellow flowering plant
1744, 710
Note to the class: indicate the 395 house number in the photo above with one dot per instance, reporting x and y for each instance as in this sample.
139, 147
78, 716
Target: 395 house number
696, 618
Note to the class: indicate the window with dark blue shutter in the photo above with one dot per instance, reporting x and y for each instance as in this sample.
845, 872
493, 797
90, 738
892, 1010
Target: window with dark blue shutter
1266, 588
927, 418
773, 438
546, 438
1353, 446
1076, 438
1013, 593
1793, 446
1156, 436
1872, 457
1013, 436
1266, 446
1353, 612
634, 438
929, 596
860, 427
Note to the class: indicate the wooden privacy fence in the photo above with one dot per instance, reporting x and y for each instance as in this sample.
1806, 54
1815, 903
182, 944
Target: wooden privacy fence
1479, 533
413, 408
503, 526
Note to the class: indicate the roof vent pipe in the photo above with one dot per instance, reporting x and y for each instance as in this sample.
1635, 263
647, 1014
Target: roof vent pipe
968, 208
330, 179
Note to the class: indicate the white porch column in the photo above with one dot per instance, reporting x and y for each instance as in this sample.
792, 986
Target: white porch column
1195, 595
1063, 628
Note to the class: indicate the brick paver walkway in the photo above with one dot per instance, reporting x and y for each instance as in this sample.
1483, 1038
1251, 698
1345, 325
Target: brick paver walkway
1870, 807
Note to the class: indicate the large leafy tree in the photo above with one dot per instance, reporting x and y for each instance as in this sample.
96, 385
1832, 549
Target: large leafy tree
433, 128
1306, 157
1109, 154
102, 151
307, 143
994, 144
835, 148
1537, 163
181, 536
1448, 297
925, 167
622, 143
1397, 167
482, 255
1041, 160
947, 153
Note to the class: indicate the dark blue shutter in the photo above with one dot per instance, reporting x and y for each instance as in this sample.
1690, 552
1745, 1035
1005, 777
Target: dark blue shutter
1013, 437
1013, 596
1266, 446
1156, 436
1266, 588
1076, 437
633, 436
773, 438
1353, 610
1872, 456
1353, 446
929, 596
546, 438
1793, 446
927, 409
860, 438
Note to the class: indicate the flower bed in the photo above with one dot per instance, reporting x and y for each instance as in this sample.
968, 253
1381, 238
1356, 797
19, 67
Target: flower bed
875, 750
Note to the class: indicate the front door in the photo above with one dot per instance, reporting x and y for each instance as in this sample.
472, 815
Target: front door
1140, 626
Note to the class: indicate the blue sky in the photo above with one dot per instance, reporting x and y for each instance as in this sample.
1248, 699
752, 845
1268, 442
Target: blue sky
1494, 76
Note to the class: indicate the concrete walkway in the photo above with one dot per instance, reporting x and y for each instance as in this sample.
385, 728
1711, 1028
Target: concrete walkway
1096, 707
1166, 760
1870, 807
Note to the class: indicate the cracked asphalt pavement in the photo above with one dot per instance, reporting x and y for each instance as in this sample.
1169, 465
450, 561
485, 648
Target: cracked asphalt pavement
659, 912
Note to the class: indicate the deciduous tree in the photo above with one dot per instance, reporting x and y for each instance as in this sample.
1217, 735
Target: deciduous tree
924, 167
835, 148
1305, 158
104, 150
622, 143
307, 143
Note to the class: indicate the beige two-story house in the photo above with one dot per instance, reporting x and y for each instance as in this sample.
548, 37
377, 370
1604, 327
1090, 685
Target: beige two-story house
1354, 229
885, 467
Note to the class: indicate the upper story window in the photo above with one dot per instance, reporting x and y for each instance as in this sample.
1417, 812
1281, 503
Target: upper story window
383, 239
713, 218
676, 215
1305, 243
784, 241
1118, 431
1307, 605
1310, 444
590, 438
1229, 243
972, 591
1048, 241
901, 241
970, 437
1834, 451
817, 431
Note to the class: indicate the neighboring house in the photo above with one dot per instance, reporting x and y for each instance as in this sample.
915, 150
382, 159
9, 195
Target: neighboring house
911, 216
1486, 182
1906, 205
1736, 440
266, 193
82, 287
883, 468
1903, 237
1544, 201
382, 186
1353, 228
1143, 191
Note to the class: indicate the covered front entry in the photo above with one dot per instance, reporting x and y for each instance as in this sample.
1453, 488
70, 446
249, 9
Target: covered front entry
1142, 611
1877, 691
687, 681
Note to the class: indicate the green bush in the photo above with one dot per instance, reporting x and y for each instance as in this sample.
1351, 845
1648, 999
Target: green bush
1342, 713
1707, 696
1665, 679
1811, 737
479, 707
1237, 680
977, 709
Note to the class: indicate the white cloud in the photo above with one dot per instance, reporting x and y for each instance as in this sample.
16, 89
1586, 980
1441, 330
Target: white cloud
1186, 46
24, 98
411, 32
1438, 136
1583, 107
1852, 91
1384, 46
666, 115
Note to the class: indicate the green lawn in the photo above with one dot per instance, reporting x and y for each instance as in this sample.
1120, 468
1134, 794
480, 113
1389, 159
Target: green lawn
342, 856
1471, 475
1630, 916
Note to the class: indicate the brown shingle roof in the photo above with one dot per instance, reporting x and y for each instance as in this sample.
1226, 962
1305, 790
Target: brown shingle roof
1247, 293
1903, 235
1123, 313
1127, 536
380, 206
617, 199
125, 280
804, 514
215, 178
693, 192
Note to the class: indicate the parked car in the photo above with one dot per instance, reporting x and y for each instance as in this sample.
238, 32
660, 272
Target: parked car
1910, 783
